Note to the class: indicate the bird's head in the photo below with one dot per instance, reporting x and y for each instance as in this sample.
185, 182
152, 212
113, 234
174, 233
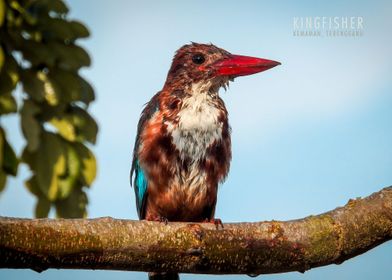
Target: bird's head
206, 63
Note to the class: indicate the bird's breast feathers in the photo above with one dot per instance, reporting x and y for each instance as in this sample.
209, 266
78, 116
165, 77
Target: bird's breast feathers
198, 125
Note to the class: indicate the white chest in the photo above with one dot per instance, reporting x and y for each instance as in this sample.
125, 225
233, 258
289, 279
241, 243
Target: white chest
198, 125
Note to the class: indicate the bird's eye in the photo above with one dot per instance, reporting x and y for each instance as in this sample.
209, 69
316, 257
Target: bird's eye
198, 58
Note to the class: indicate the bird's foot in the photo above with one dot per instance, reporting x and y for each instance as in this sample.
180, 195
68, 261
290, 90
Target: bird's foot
160, 219
216, 222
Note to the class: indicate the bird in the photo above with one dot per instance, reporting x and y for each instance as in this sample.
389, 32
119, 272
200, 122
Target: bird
182, 150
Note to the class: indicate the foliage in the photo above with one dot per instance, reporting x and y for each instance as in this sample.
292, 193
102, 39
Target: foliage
38, 51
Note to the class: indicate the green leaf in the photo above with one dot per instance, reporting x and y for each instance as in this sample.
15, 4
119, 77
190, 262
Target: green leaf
81, 57
12, 69
51, 89
79, 30
8, 160
30, 126
3, 180
55, 28
42, 207
40, 7
72, 86
50, 164
37, 85
10, 164
2, 140
89, 164
85, 126
74, 206
54, 54
67, 182
65, 128
2, 13
49, 112
38, 53
76, 125
7, 104
33, 86
9, 77
6, 84
3, 176
61, 29
8, 80
33, 187
1, 50
69, 57
87, 91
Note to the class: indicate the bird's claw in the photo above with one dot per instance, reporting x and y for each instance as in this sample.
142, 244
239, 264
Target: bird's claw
216, 222
160, 219
163, 220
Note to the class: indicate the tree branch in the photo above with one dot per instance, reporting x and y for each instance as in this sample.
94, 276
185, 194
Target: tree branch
251, 248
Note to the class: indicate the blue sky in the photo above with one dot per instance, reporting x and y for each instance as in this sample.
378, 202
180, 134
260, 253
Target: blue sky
307, 135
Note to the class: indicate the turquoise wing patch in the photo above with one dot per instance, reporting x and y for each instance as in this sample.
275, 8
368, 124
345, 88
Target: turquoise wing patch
141, 184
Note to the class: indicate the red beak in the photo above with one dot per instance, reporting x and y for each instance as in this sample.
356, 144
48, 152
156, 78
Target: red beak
239, 65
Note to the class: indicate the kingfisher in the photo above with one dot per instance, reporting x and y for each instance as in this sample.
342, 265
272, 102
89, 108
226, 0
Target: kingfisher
182, 150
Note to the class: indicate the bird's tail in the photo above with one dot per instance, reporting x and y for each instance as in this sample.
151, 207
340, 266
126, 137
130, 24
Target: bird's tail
163, 276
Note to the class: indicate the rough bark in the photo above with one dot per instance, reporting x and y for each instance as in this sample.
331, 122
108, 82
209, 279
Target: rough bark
251, 248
